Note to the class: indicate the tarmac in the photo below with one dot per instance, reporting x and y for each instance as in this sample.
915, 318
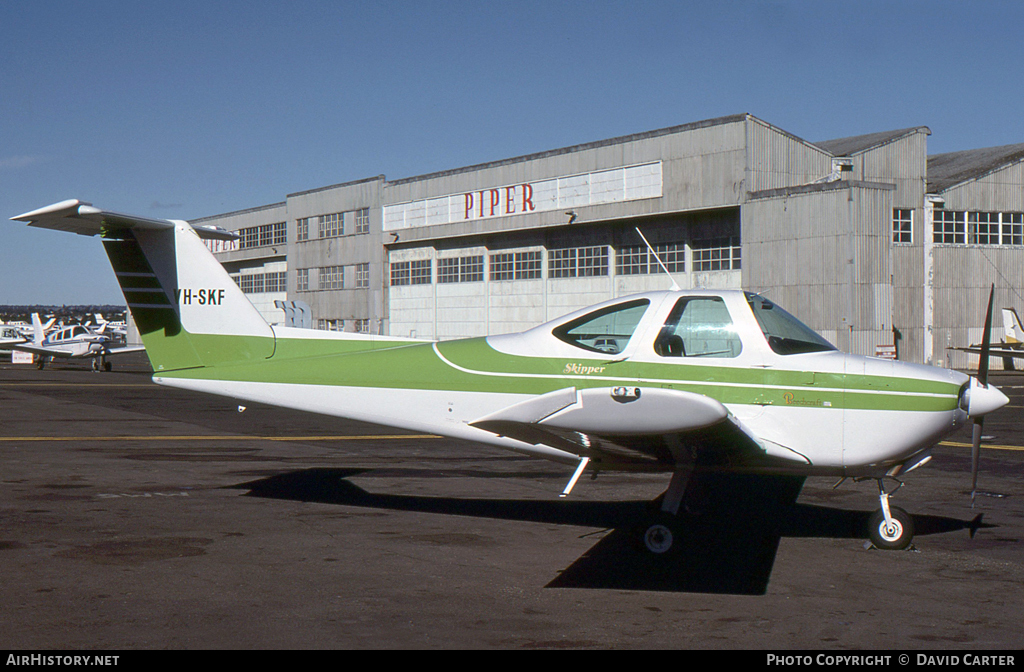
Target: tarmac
134, 516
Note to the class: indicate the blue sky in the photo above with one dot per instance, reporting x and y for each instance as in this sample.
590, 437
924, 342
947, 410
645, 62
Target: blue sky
187, 109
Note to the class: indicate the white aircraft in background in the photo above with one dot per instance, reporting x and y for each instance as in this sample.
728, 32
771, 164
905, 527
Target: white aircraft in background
73, 342
116, 327
1011, 346
680, 382
10, 335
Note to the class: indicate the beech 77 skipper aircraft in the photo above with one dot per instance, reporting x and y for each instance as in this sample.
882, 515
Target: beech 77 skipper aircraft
681, 382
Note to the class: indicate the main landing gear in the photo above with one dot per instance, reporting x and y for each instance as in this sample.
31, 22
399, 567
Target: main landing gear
660, 533
101, 363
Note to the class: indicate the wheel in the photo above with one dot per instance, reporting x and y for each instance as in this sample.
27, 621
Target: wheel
660, 534
40, 362
891, 538
107, 366
658, 538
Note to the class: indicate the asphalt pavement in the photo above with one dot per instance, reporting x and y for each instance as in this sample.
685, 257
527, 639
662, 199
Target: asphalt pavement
134, 516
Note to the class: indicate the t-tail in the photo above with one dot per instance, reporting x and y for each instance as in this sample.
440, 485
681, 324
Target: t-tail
1013, 332
188, 310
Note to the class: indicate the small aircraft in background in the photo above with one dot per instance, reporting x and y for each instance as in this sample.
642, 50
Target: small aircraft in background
118, 328
73, 342
10, 335
1010, 348
684, 382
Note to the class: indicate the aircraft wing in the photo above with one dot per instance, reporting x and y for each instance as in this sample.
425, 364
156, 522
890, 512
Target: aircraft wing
645, 427
52, 352
82, 218
994, 351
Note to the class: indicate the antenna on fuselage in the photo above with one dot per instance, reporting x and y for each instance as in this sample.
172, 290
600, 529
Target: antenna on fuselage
675, 285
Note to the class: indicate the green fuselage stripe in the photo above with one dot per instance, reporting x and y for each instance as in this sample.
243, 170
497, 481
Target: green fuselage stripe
472, 365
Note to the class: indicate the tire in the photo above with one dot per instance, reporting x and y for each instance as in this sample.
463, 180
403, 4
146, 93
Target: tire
895, 539
660, 535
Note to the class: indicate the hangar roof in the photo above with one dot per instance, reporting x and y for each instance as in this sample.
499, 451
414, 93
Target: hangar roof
953, 168
732, 119
860, 143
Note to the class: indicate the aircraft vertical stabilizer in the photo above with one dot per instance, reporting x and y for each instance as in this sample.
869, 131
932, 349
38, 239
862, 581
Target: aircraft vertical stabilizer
1013, 332
189, 311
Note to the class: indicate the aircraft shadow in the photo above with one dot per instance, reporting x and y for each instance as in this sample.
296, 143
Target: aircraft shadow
729, 547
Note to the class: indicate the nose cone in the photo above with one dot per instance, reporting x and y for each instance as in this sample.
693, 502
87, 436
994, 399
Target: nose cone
985, 399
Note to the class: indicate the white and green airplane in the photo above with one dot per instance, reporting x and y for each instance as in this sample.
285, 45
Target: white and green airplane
681, 382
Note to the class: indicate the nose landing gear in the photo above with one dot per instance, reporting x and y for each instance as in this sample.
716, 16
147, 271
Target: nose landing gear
890, 528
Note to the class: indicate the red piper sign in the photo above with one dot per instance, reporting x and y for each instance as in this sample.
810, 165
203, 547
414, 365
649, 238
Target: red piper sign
497, 202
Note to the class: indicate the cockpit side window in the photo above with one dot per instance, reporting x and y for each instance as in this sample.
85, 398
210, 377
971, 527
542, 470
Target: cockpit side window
786, 335
607, 330
698, 327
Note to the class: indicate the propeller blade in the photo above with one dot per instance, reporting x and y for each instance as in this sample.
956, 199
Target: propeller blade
986, 343
975, 457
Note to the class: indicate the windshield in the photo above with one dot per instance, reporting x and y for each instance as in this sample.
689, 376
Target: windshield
607, 330
786, 335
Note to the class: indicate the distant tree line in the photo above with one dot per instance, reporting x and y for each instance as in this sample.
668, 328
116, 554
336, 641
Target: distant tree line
9, 313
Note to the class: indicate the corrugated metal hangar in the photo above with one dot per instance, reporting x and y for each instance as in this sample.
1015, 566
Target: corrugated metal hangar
867, 239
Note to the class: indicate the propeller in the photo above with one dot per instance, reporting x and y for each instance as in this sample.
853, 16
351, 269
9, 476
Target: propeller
979, 420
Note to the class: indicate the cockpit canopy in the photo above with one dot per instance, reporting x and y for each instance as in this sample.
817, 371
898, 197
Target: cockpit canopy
698, 325
606, 330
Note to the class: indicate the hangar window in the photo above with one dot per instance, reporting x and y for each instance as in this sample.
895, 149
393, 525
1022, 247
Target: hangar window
252, 283
516, 265
948, 227
362, 276
983, 228
578, 262
607, 330
330, 226
261, 236
302, 280
637, 259
419, 272
411, 272
332, 277
1013, 228
461, 269
275, 282
363, 220
698, 327
717, 254
902, 225
302, 229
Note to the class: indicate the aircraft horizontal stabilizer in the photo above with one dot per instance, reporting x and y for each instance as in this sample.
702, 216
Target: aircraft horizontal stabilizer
82, 218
